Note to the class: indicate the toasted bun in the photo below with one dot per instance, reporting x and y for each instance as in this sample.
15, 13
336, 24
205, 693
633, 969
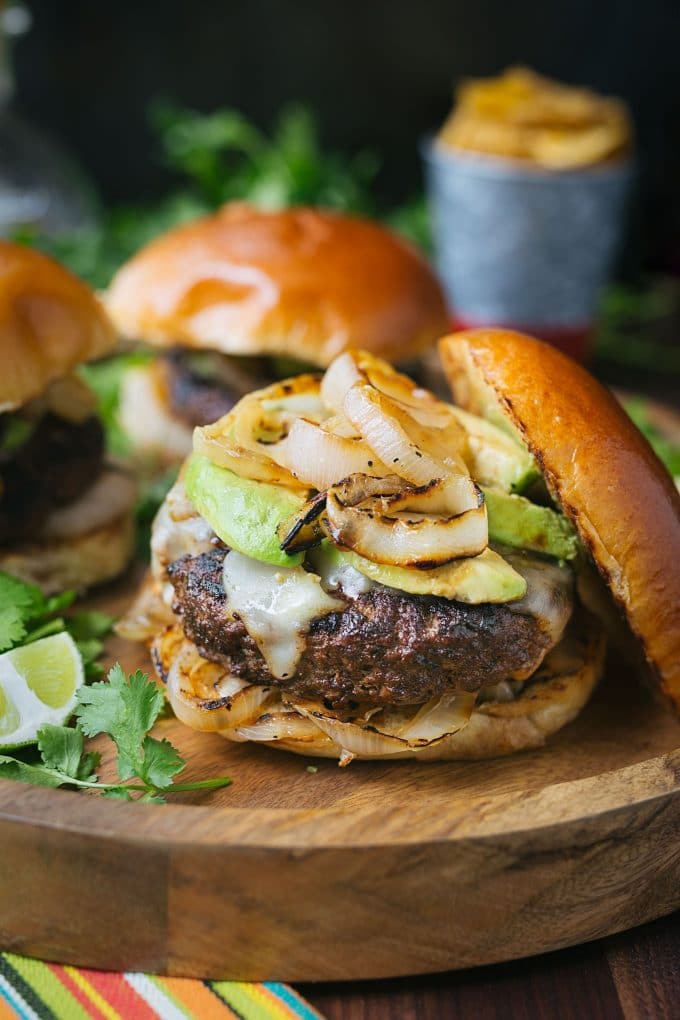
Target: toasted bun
597, 466
50, 322
206, 697
300, 283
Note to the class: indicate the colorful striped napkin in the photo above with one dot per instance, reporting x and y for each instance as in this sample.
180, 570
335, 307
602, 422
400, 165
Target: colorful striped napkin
33, 990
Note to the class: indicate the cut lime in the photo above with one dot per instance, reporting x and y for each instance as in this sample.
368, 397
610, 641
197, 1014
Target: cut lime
38, 684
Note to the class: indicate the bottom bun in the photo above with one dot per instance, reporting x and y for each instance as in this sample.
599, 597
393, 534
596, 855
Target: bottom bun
205, 696
75, 561
153, 431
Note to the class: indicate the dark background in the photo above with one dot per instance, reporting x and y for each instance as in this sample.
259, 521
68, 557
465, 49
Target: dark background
377, 74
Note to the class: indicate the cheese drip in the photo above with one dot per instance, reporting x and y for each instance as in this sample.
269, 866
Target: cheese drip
276, 606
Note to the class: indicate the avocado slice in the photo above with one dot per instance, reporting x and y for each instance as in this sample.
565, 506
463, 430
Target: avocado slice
496, 458
246, 515
243, 513
484, 578
515, 521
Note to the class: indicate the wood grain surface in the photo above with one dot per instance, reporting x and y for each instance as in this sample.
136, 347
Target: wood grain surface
375, 870
433, 866
632, 976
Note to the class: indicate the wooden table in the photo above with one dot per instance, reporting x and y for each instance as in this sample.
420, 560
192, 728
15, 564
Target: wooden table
633, 976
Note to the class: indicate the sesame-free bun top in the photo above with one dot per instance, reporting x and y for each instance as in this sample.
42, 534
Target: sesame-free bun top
597, 466
50, 322
301, 283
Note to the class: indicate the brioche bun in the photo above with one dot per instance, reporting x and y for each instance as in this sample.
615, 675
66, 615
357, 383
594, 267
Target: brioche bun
50, 322
556, 694
597, 466
299, 283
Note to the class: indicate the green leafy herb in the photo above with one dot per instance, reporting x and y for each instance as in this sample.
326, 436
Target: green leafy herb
637, 326
27, 615
17, 431
125, 708
105, 377
220, 157
666, 451
225, 157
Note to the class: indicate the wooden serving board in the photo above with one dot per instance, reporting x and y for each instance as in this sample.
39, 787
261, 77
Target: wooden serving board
374, 870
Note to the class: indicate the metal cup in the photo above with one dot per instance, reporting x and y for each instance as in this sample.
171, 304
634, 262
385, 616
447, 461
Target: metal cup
524, 247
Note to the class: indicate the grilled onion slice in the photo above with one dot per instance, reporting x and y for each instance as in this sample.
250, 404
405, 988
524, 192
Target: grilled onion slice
319, 458
205, 696
241, 440
213, 442
411, 450
304, 529
396, 729
409, 536
360, 366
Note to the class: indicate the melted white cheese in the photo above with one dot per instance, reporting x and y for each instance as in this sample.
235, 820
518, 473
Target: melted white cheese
177, 531
345, 577
276, 606
550, 593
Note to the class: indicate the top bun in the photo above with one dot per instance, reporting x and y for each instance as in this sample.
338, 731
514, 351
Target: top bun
50, 322
299, 283
597, 466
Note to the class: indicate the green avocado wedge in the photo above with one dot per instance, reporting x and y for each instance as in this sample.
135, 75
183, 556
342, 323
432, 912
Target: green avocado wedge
496, 458
243, 513
475, 579
517, 522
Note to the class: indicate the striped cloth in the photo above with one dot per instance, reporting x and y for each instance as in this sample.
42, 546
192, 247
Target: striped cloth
33, 990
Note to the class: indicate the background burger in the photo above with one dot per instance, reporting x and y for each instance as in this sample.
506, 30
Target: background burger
349, 569
244, 296
65, 515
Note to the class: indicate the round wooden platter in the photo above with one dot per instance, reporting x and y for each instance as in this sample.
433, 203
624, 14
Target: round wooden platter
373, 870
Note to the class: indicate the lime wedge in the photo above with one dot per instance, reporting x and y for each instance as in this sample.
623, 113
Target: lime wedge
38, 684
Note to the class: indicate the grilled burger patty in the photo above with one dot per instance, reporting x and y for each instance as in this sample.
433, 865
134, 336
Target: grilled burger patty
385, 648
57, 463
200, 399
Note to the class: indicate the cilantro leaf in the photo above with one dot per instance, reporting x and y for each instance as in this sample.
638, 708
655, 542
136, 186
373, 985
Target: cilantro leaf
26, 616
27, 597
161, 762
87, 630
61, 748
12, 627
118, 793
57, 603
86, 625
88, 764
38, 775
125, 708
152, 798
19, 604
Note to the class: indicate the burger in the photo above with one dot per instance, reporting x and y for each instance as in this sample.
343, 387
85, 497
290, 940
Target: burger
244, 297
65, 513
349, 567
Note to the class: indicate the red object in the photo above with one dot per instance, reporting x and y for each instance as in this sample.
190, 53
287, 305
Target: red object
573, 340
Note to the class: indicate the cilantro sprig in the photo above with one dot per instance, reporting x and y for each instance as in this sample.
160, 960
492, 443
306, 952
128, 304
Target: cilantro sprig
125, 709
27, 615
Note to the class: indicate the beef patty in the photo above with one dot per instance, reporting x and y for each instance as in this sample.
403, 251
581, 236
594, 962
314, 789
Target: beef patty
57, 463
385, 648
201, 397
